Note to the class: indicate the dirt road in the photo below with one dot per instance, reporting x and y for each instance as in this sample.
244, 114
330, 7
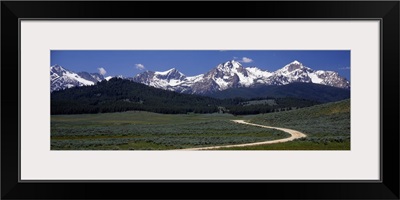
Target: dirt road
294, 135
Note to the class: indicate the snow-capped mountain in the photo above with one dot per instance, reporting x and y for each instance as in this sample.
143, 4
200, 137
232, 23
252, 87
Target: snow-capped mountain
169, 80
297, 72
232, 74
61, 78
226, 75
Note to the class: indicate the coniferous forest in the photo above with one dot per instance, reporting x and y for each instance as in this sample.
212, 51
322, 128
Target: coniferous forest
119, 95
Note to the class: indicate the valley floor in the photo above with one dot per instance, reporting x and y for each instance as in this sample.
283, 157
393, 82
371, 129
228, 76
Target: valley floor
151, 131
327, 128
294, 135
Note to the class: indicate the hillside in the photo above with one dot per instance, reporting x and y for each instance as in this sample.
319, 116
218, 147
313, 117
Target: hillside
310, 91
117, 95
327, 127
325, 120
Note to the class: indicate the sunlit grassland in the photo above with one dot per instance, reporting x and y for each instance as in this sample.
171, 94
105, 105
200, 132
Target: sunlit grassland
151, 131
297, 145
331, 119
327, 127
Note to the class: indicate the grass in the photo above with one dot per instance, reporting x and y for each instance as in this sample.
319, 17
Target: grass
327, 127
130, 117
151, 131
297, 145
331, 119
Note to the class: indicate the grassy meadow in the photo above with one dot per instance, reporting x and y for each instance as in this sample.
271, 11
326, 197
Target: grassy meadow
152, 131
327, 127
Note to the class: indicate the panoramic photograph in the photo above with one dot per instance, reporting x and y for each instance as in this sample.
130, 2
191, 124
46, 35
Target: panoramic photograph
200, 100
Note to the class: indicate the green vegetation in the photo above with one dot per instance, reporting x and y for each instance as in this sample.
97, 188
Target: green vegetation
310, 91
151, 131
326, 120
327, 127
258, 106
297, 145
119, 95
269, 102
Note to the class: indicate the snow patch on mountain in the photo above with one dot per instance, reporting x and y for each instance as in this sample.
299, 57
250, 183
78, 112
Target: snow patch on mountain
76, 77
314, 78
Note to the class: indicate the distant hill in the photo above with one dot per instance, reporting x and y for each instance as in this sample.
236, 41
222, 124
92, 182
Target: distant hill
118, 95
310, 91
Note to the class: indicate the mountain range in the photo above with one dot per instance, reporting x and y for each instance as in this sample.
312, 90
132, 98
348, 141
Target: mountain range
228, 75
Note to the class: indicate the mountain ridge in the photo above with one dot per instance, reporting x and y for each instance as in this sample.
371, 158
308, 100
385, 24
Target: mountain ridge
232, 74
227, 75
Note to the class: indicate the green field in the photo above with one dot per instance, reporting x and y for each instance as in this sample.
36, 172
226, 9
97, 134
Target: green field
151, 131
327, 127
297, 145
320, 121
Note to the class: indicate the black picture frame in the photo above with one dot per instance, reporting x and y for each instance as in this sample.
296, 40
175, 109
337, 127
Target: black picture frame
386, 11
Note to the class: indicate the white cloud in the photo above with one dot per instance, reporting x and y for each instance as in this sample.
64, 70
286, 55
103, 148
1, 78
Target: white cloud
139, 66
102, 71
246, 60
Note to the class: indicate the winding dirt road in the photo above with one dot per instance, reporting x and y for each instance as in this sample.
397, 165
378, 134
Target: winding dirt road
294, 135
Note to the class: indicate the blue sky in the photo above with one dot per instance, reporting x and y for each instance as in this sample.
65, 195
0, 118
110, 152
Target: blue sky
193, 62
